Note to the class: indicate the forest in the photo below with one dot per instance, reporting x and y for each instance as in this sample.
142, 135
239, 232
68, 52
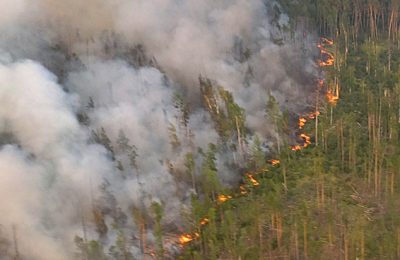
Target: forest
215, 130
338, 196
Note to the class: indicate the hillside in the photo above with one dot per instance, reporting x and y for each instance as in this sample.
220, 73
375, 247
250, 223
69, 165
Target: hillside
337, 198
169, 129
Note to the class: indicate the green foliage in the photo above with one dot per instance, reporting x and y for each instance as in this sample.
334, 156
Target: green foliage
190, 168
210, 182
158, 233
120, 250
102, 138
88, 250
184, 112
229, 118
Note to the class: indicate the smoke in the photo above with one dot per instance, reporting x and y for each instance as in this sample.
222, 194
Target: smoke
89, 119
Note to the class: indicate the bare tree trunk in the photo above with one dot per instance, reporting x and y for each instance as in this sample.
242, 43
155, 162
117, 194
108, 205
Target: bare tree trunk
305, 242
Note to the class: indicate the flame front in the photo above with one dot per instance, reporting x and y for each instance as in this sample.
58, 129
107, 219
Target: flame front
326, 41
296, 148
243, 190
252, 180
313, 115
222, 198
204, 221
275, 162
185, 238
306, 138
302, 122
330, 59
332, 99
333, 96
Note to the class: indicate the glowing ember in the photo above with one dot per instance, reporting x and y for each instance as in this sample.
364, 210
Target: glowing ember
329, 61
332, 98
302, 122
204, 221
243, 190
252, 180
295, 148
222, 198
275, 162
185, 238
324, 51
307, 139
326, 41
313, 115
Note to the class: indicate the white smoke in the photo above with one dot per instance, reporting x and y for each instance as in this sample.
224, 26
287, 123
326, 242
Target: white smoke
50, 166
138, 102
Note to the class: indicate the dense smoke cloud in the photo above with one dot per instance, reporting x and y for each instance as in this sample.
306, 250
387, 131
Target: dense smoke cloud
47, 167
77, 76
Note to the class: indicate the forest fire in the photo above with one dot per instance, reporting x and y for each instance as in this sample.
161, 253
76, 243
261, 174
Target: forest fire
307, 142
252, 180
204, 221
295, 148
306, 138
222, 198
275, 162
326, 41
332, 98
313, 115
328, 58
302, 122
186, 238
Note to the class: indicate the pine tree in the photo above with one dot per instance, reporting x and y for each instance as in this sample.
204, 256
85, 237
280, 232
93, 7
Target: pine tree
158, 232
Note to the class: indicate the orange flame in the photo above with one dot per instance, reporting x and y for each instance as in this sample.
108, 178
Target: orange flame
186, 238
326, 41
243, 190
295, 148
313, 115
204, 221
330, 55
252, 180
302, 122
327, 63
332, 98
274, 162
307, 140
222, 198
330, 60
